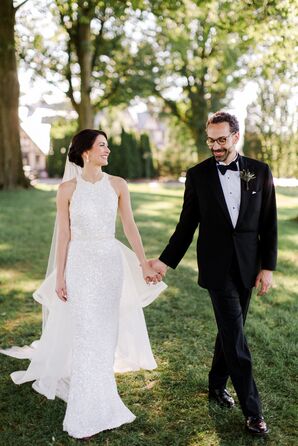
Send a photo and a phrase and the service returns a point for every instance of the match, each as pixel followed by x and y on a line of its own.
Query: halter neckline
pixel 98 181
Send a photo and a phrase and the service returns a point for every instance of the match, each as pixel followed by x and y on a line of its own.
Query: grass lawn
pixel 171 402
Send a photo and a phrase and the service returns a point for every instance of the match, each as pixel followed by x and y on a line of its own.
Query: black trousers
pixel 231 353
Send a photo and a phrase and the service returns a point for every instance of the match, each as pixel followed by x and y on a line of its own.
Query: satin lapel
pixel 244 193
pixel 217 189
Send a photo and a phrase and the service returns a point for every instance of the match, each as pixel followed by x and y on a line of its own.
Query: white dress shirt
pixel 231 187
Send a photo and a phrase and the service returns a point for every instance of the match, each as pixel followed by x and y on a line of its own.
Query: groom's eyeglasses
pixel 221 140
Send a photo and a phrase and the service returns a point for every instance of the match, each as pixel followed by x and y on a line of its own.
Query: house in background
pixel 33 153
pixel 37 118
pixel 135 121
pixel 156 129
pixel 36 115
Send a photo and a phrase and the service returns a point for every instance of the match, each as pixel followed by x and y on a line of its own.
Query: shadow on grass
pixel 170 402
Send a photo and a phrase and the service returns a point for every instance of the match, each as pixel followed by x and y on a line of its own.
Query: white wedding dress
pixel 101 328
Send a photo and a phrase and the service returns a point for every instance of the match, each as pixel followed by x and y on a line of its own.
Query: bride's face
pixel 99 152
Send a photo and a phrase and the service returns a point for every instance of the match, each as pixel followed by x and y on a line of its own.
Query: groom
pixel 232 199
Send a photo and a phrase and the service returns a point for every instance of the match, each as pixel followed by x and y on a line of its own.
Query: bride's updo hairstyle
pixel 81 142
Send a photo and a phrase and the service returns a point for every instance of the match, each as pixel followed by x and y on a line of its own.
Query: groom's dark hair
pixel 81 142
pixel 222 116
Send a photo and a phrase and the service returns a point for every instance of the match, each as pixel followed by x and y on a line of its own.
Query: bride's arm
pixel 63 237
pixel 131 230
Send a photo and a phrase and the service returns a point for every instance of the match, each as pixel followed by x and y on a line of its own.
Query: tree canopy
pixel 191 55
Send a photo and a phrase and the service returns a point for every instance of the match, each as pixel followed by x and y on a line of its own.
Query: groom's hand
pixel 264 281
pixel 158 266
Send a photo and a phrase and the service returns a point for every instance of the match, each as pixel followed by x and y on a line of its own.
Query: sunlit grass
pixel 170 402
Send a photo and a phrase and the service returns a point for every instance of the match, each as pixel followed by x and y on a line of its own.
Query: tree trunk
pixel 199 118
pixel 11 168
pixel 199 135
pixel 84 51
pixel 86 113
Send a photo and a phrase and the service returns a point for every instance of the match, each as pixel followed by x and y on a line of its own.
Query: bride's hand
pixel 149 274
pixel 61 289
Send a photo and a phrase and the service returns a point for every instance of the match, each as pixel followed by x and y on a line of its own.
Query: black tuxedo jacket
pixel 254 239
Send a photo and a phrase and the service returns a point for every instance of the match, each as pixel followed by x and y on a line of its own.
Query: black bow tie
pixel 223 168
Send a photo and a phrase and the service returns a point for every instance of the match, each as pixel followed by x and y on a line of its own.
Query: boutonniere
pixel 246 176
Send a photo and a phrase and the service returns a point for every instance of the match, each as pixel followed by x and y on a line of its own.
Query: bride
pixel 92 298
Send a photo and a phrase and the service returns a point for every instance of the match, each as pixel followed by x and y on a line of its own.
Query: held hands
pixel 159 267
pixel 264 281
pixel 149 274
pixel 61 289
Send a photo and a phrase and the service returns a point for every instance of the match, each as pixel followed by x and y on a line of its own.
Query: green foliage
pixel 204 50
pixel 276 40
pixel 115 166
pixel 132 158
pixel 196 50
pixel 61 133
pixel 91 53
pixel 148 170
pixel 109 52
pixel 272 124
pixel 180 152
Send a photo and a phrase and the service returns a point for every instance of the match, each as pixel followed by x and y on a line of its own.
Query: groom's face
pixel 222 141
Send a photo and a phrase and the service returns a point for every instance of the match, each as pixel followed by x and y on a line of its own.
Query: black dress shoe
pixel 222 397
pixel 256 425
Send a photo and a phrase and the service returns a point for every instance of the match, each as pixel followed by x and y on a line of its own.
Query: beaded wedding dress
pixel 101 328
